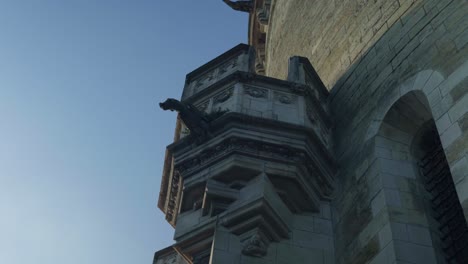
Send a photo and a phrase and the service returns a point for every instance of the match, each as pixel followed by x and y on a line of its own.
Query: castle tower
pixel 249 176
pixel 272 153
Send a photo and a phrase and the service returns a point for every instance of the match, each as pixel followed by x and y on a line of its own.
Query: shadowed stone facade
pixel 367 163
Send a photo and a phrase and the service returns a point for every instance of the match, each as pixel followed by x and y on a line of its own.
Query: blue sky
pixel 81 137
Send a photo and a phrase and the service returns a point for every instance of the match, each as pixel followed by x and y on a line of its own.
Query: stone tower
pixel 366 164
pixel 250 174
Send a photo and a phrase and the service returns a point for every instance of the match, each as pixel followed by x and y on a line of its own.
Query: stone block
pixel 460 41
pixel 460 90
pixel 386 255
pixel 462 191
pixel 434 97
pixel 460 170
pixel 325 210
pixel 383 153
pixel 445 8
pixel 329 257
pixel 414 253
pixel 392 197
pixel 385 235
pixel 251 260
pixel 400 155
pixel 443 123
pixel 458 149
pixel 434 81
pixel 395 134
pixel 323 226
pixel 459 109
pixel 450 135
pixel 410 20
pixel 389 181
pixel 421 79
pixel 234 244
pixel 419 235
pixel 411 200
pixel 361 169
pixel 389 144
pixel 219 256
pixel 422 27
pixel 378 203
pixel 409 216
pixel 375 185
pixel 221 239
pixel 312 240
pixel 287 254
pixel 442 107
pixel 399 231
pixel 398 168
pixel 303 222
pixel 454 78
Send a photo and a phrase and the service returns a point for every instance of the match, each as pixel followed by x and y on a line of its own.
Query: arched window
pixel 424 209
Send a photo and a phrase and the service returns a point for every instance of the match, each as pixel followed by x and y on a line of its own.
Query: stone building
pixel 338 135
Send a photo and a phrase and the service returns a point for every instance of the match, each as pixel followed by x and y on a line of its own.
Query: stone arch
pixel 425 81
pixel 417 190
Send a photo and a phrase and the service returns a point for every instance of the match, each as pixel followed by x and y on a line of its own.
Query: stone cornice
pixel 231 120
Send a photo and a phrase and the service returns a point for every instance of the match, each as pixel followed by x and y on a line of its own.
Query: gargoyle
pixel 195 120
pixel 243 6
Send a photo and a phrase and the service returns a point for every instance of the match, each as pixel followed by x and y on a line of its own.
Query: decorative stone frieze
pixel 284 98
pixel 239 58
pixel 223 96
pixel 256 92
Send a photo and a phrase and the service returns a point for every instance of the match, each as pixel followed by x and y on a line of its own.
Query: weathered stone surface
pixel 392 67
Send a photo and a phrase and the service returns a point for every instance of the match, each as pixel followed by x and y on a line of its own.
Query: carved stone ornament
pixel 254 246
pixel 225 67
pixel 223 96
pixel 203 106
pixel 238 145
pixel 263 16
pixel 171 209
pixel 256 92
pixel 202 80
pixel 284 98
pixel 194 119
pixel 199 82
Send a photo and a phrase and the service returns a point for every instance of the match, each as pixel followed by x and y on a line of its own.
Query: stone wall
pixel 332 34
pixel 311 240
pixel 425 50
pixel 371 54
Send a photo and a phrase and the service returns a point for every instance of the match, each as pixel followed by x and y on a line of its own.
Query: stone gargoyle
pixel 196 121
pixel 243 6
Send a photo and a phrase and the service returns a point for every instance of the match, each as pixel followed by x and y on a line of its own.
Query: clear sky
pixel 82 139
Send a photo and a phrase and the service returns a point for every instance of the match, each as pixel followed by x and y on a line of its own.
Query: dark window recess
pixel 218 207
pixel 202 257
pixel 445 204
pixel 193 198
